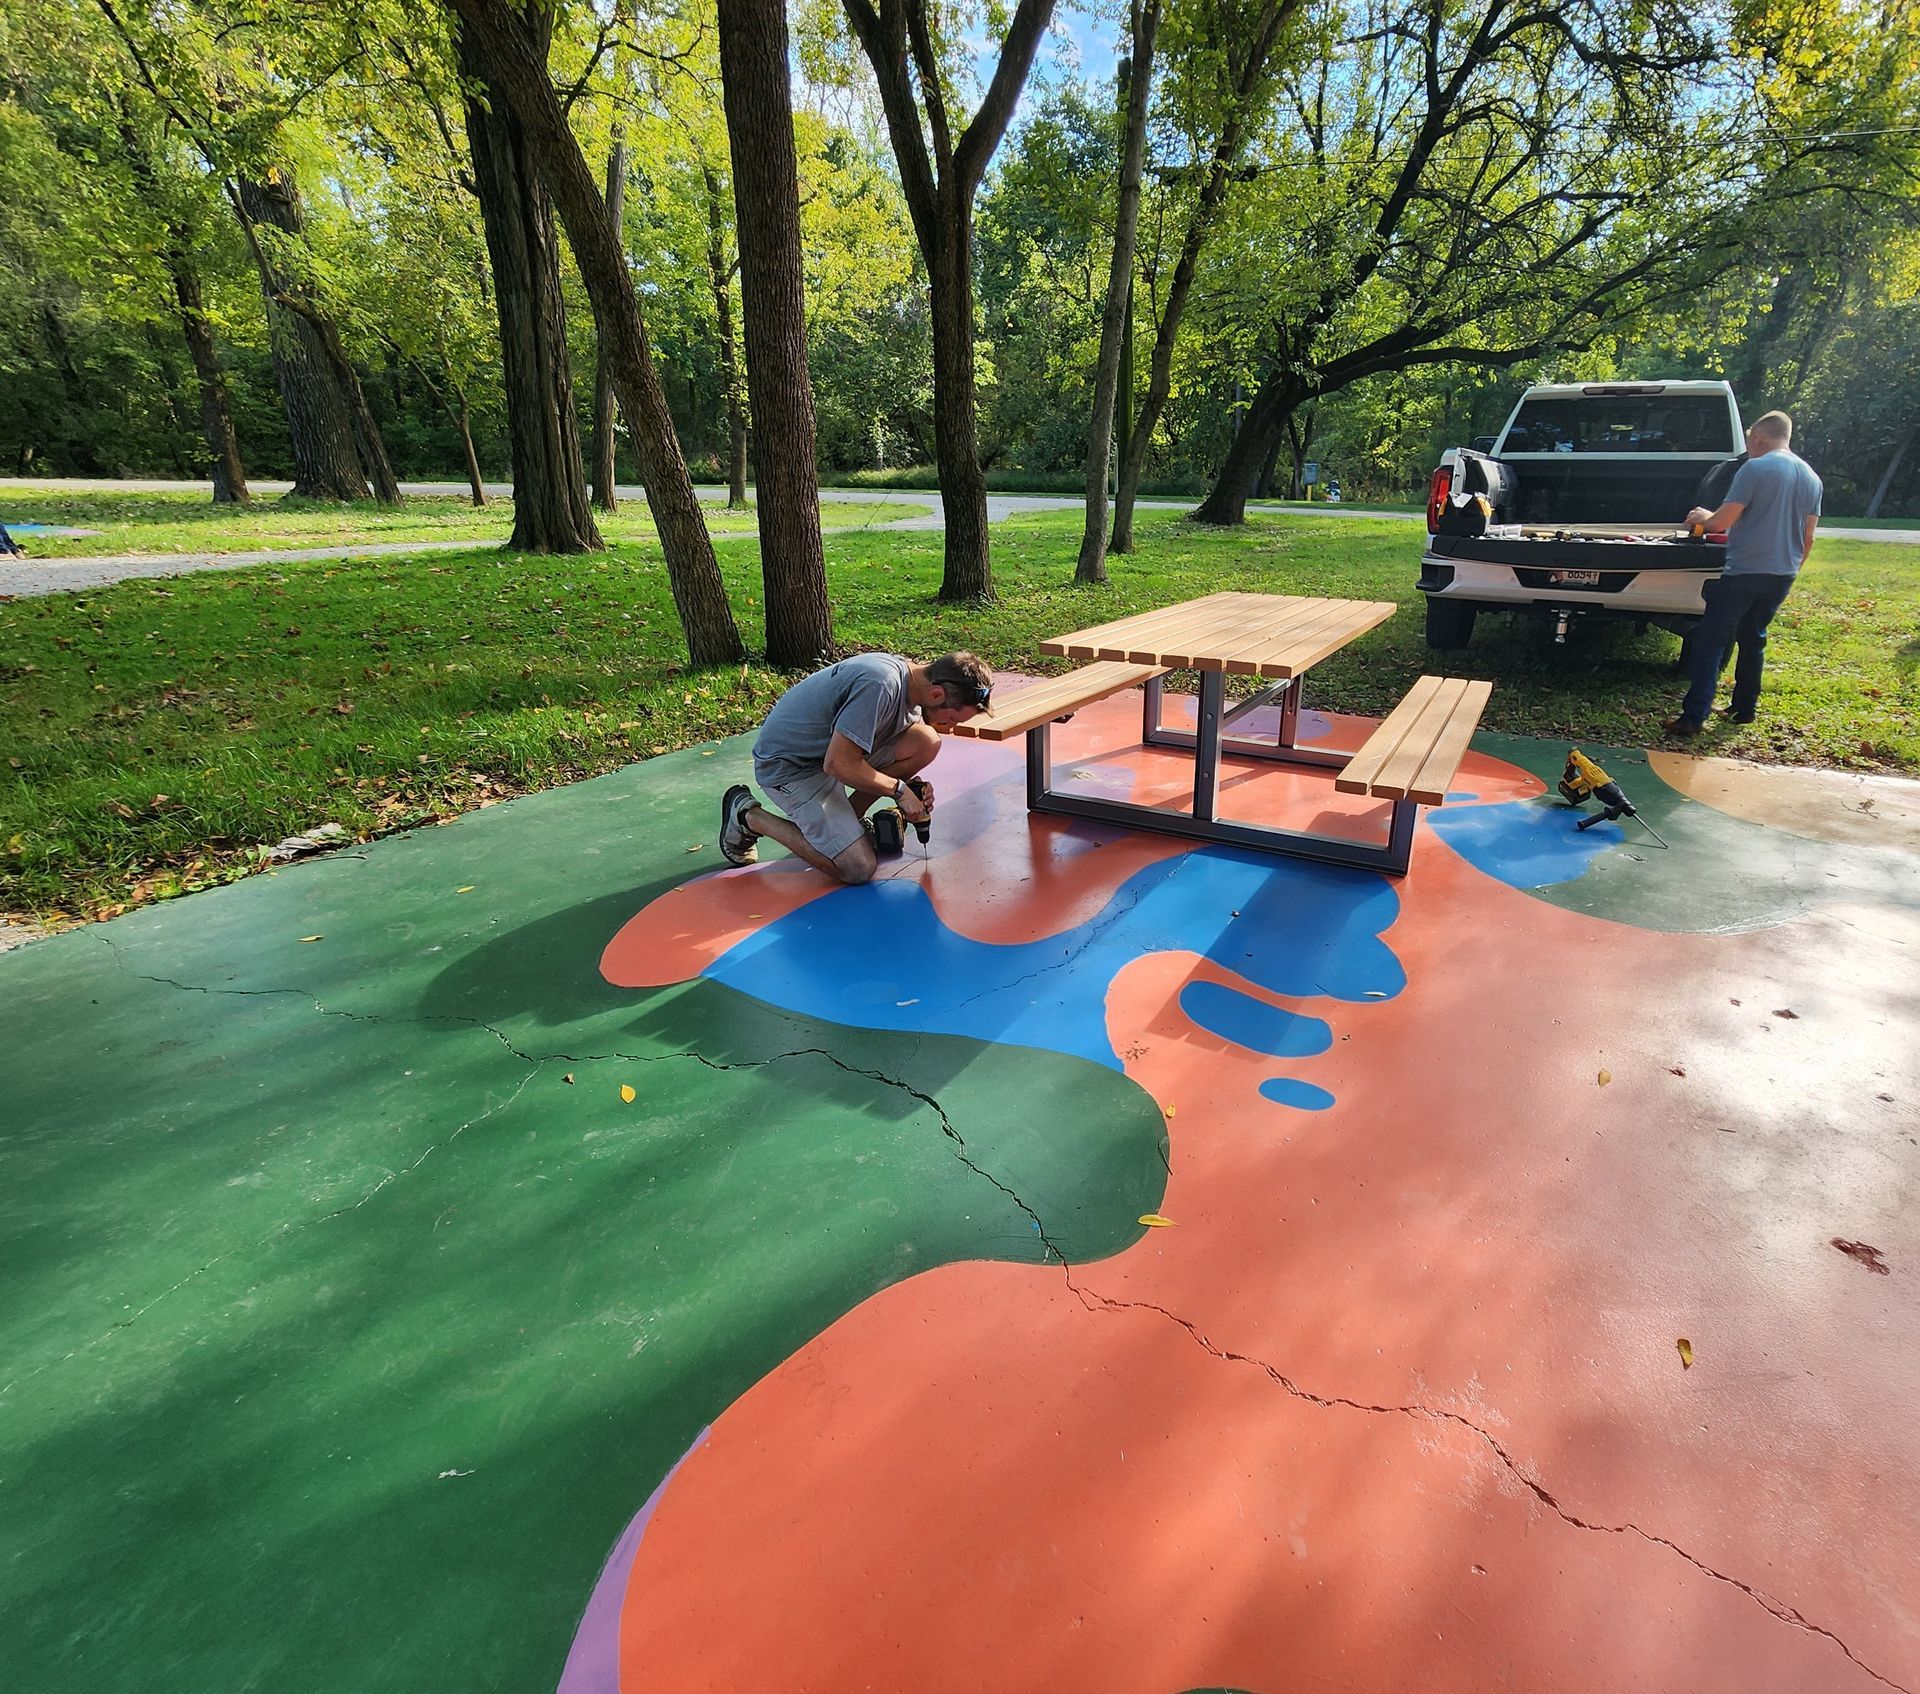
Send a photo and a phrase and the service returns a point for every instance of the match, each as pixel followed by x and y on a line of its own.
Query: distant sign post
pixel 1309 475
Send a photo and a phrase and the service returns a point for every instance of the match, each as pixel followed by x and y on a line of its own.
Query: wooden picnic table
pixel 1276 638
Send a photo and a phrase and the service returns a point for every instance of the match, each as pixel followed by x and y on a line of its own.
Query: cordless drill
pixel 1584 780
pixel 884 825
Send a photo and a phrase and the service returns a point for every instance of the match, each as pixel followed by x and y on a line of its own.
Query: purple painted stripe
pixel 593 1662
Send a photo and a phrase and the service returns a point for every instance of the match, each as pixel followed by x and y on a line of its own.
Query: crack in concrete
pixel 1777 1609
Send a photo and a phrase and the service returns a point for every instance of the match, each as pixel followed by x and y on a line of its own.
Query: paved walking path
pixel 23 579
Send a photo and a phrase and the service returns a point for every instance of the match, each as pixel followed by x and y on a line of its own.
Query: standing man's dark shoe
pixel 1682 729
pixel 1737 717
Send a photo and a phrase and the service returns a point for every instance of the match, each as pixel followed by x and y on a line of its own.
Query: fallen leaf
pixel 1168 1110
pixel 1605 1078
pixel 467 890
pixel 1686 1353
pixel 1676 1070
pixel 313 938
pixel 1376 994
pixel 626 1092
pixel 1787 1012
pixel 568 1077
pixel 696 847
pixel 1153 1220
pixel 1861 1253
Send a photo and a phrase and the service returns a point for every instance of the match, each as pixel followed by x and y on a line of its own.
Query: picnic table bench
pixel 1409 760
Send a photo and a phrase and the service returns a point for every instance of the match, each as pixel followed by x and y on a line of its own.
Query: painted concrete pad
pixel 527 1254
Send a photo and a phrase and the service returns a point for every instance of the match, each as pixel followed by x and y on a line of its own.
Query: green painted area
pixel 1718 872
pixel 345 1334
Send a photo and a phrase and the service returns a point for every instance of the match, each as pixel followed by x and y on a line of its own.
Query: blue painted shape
pixel 879 957
pixel 1455 796
pixel 1254 1024
pixel 1525 843
pixel 1291 1091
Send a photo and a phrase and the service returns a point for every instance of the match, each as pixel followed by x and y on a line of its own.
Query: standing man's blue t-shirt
pixel 1780 492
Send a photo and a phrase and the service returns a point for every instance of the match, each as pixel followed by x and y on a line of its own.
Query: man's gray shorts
pixel 818 806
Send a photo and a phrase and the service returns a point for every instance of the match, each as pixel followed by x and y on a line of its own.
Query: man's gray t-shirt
pixel 1779 491
pixel 863 698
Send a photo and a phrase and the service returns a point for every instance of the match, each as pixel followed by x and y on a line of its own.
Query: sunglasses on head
pixel 964 693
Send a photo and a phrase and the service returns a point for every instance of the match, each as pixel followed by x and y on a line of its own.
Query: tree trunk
pixel 551 510
pixel 1136 78
pixel 605 495
pixel 1265 422
pixel 1220 166
pixel 366 432
pixel 1892 470
pixel 474 479
pixel 326 464
pixel 766 188
pixel 490 30
pixel 956 437
pixel 720 283
pixel 216 410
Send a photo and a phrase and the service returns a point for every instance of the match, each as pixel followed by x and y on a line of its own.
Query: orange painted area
pixel 1395 1404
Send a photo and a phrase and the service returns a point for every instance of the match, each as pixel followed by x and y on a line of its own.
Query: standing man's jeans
pixel 1739 608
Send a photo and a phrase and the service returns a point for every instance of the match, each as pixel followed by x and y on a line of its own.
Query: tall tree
pixel 941 174
pixel 601 448
pixel 766 187
pixel 1136 80
pixel 319 409
pixel 494 34
pixel 1228 56
pixel 551 509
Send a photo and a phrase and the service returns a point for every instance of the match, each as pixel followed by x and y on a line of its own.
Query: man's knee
pixel 857 864
pixel 915 749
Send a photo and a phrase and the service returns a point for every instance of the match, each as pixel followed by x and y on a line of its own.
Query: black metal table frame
pixel 1209 741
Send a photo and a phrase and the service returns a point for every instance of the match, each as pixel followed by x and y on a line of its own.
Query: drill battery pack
pixel 883 828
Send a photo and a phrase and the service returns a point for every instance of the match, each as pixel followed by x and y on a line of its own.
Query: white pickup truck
pixel 1577 509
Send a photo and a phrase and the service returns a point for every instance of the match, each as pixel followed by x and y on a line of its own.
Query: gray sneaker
pixel 738 844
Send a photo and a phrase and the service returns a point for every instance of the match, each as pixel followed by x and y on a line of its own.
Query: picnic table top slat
pixel 1273 635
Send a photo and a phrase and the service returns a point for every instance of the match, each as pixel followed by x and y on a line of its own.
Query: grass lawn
pixel 188 522
pixel 159 734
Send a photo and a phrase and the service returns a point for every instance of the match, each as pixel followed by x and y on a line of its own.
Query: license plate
pixel 1575 579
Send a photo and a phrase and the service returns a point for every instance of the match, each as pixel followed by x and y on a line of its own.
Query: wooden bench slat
pixel 1053 697
pixel 1418 742
pixel 1418 747
pixel 1435 776
pixel 1357 777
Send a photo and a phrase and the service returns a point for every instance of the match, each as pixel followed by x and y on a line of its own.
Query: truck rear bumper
pixel 1672 590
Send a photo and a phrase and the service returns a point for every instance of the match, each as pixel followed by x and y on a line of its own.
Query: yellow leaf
pixel 1686 1353
pixel 626 1092
pixel 696 847
pixel 1605 1078
pixel 568 1077
pixel 1153 1220
pixel 467 890
pixel 313 938
pixel 1168 1110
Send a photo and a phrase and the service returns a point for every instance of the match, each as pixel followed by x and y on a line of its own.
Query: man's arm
pixel 846 762
pixel 1724 517
pixel 1806 539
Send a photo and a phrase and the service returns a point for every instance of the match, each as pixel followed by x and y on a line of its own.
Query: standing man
pixel 839 741
pixel 1769 515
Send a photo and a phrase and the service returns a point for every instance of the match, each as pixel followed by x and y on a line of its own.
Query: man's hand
pixel 1699 514
pixel 916 804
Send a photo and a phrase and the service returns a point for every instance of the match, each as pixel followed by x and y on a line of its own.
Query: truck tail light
pixel 1437 492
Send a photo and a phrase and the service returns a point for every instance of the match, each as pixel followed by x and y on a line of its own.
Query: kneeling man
pixel 839 741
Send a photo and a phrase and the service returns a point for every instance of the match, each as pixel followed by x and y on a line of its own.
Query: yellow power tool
pixel 1584 780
